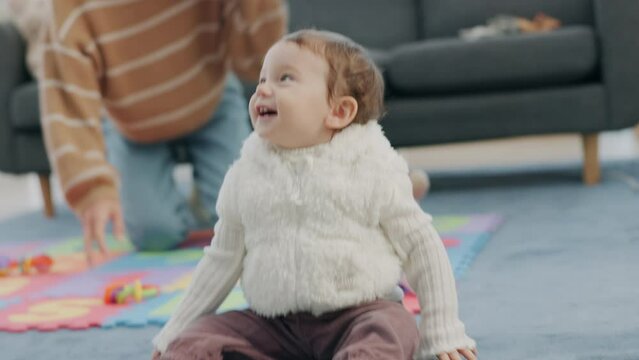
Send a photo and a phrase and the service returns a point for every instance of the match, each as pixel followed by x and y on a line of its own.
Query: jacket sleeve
pixel 251 27
pixel 217 272
pixel 427 268
pixel 71 105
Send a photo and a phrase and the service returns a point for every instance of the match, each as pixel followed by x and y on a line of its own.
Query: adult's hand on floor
pixel 468 355
pixel 94 221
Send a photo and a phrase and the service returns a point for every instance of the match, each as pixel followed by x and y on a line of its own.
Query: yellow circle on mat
pixel 54 310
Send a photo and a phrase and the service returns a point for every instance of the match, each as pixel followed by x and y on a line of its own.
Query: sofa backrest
pixel 377 24
pixel 444 18
pixel 13 72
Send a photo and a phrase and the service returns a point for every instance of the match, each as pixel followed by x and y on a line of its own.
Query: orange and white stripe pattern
pixel 156 66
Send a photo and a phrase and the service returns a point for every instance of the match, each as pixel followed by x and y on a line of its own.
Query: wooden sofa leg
pixel 591 169
pixel 45 186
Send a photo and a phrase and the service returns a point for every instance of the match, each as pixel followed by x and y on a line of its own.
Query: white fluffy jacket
pixel 323 228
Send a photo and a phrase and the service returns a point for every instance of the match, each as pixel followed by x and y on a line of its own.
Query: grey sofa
pixel 21 145
pixel 583 78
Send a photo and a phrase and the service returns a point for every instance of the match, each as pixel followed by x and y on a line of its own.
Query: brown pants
pixel 377 330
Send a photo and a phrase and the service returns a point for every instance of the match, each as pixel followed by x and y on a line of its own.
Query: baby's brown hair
pixel 351 72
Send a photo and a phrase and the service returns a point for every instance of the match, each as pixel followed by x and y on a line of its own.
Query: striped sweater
pixel 156 67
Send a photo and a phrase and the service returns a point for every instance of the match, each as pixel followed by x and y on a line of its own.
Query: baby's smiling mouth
pixel 266 111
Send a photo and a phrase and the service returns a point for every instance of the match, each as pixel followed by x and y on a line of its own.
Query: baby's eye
pixel 262 80
pixel 286 77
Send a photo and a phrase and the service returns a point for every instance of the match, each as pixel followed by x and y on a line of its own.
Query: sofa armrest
pixel 618 31
pixel 12 73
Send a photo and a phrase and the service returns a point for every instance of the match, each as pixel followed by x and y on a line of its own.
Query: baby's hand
pixel 156 355
pixel 468 355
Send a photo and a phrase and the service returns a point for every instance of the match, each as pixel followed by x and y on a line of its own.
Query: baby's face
pixel 290 105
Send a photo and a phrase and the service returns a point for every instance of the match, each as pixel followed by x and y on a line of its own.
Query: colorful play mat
pixel 71 296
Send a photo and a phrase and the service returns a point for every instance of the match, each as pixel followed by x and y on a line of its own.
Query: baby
pixel 318 220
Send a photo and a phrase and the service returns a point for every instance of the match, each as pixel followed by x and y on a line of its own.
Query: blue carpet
pixel 555 282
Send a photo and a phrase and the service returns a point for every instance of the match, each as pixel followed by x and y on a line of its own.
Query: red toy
pixel 29 265
pixel 125 293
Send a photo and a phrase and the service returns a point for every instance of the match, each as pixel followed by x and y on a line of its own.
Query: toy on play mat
pixel 120 293
pixel 29 265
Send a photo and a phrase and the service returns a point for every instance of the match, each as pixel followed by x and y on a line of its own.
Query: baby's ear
pixel 343 111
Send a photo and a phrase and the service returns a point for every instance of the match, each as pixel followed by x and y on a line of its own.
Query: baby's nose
pixel 263 89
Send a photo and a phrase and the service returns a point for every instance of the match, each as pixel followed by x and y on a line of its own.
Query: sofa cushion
pixel 426 121
pixel 381 58
pixel 372 23
pixel 444 18
pixel 441 66
pixel 24 107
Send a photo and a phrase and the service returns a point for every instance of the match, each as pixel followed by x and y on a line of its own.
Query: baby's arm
pixel 214 277
pixel 427 268
pixel 216 273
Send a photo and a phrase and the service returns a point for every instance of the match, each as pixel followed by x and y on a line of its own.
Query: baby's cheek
pixel 251 107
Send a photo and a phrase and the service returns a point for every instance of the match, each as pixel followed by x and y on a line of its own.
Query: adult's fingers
pixel 100 222
pixel 443 356
pixel 88 234
pixel 454 356
pixel 118 223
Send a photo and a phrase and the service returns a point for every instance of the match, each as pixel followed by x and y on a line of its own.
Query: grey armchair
pixel 21 147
